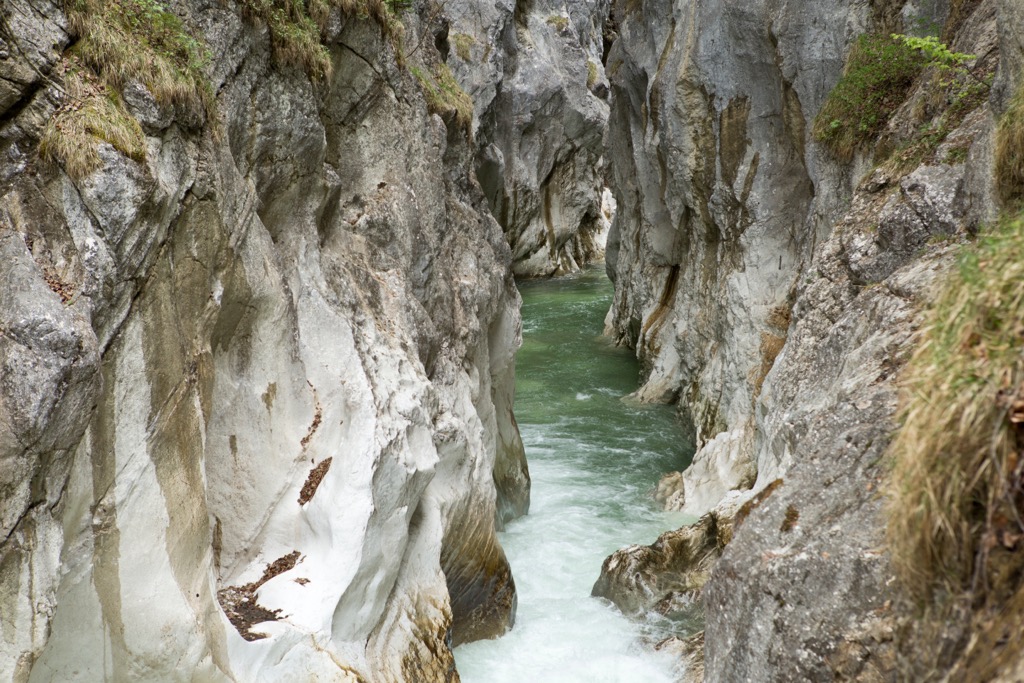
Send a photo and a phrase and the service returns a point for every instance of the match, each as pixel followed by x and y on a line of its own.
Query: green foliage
pixel 956 91
pixel 878 74
pixel 938 54
pixel 445 96
pixel 591 74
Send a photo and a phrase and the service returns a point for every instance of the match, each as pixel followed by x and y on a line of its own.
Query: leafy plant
pixel 957 91
pixel 879 71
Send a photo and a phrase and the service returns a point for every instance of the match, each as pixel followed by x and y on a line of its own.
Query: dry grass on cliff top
pixel 121 41
pixel 956 508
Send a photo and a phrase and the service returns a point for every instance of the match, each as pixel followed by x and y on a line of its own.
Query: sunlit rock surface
pixel 255 391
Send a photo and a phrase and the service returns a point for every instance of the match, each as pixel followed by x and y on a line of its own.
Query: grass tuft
pixel 956 495
pixel 120 41
pixel 1009 152
pixel 464 46
pixel 445 96
pixel 140 40
pixel 91 113
pixel 296 27
pixel 879 71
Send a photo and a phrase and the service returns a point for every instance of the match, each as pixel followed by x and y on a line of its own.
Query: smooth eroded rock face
pixel 256 389
pixel 535 72
pixel 715 184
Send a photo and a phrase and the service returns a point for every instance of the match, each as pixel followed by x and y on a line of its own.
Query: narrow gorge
pixel 266 267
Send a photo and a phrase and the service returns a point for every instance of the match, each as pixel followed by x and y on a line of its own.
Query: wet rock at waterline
pixel 257 376
pixel 667 575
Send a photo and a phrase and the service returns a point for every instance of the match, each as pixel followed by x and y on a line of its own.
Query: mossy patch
pixel 591 74
pixel 558 22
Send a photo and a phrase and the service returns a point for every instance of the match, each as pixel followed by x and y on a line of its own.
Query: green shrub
pixel 591 74
pixel 878 74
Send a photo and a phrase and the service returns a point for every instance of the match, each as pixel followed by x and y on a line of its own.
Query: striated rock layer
pixel 534 70
pixel 255 391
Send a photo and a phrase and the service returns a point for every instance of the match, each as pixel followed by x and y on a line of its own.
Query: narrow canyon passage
pixel 594 460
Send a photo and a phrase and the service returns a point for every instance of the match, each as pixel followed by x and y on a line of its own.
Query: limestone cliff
pixel 256 380
pixel 535 73
pixel 772 285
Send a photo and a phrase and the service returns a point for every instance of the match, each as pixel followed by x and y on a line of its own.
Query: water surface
pixel 594 461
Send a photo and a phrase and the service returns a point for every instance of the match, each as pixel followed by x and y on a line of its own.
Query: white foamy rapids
pixel 562 635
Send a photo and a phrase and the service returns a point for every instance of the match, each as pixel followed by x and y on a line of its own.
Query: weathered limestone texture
pixel 774 291
pixel 534 70
pixel 721 198
pixel 255 390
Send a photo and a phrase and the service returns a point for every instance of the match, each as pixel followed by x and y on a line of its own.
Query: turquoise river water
pixel 594 460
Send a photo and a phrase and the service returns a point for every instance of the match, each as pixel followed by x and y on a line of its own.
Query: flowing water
pixel 594 460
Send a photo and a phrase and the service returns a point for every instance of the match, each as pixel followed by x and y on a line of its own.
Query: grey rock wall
pixel 534 70
pixel 255 390
pixel 773 291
